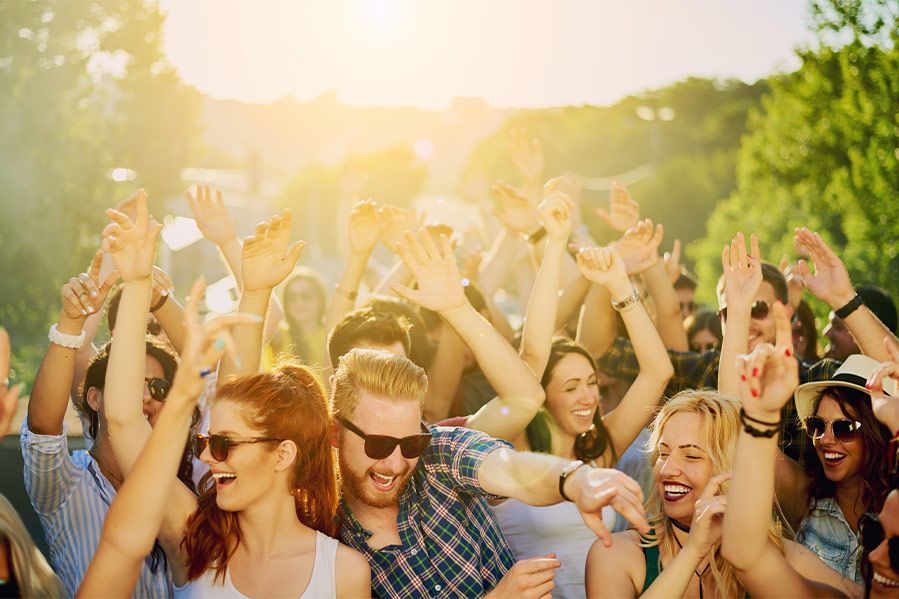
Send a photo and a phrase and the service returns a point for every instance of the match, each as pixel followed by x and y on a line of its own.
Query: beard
pixel 359 486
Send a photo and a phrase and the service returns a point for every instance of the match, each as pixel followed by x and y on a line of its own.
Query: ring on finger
pixel 205 372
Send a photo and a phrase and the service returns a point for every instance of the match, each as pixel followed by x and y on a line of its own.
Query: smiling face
pixel 683 467
pixel 377 483
pixel 840 343
pixel 572 394
pixel 304 303
pixel 250 471
pixel 151 406
pixel 842 460
pixel 885 582
pixel 761 330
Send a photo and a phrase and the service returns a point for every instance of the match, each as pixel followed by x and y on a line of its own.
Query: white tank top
pixel 532 531
pixel 323 582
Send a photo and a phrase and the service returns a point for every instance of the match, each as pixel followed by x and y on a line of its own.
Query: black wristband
pixel 744 415
pixel 850 307
pixel 536 235
pixel 566 472
pixel 160 303
pixel 745 420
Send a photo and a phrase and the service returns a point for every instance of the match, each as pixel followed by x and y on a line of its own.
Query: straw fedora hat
pixel 853 374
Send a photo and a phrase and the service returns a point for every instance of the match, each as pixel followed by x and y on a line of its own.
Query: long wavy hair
pixel 875 469
pixel 287 403
pixel 719 431
pixel 33 575
pixel 589 445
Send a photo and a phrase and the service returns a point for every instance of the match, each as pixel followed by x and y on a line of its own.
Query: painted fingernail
pixel 219 344
pixel 867 385
pixel 742 377
pixel 755 393
pixel 164 292
pixel 237 362
pixel 84 312
pixel 94 293
pixel 90 309
pixel 755 372
pixel 788 352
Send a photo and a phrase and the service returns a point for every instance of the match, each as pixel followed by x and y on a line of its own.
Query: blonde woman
pixel 24 572
pixel 692 446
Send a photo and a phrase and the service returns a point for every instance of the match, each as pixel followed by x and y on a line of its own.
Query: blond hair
pixel 33 574
pixel 380 373
pixel 719 430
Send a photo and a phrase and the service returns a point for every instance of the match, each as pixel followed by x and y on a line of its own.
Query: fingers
pixel 595 523
pixel 783 330
pixel 754 251
pixel 892 348
pixel 293 256
pixel 5 353
pixel 111 279
pixel 604 215
pixel 119 218
pixel 540 565
pixel 93 270
pixel 192 307
pixel 71 296
pixel 675 251
pixel 406 293
pixel 142 221
pixel 628 506
pixel 714 485
pixel 416 248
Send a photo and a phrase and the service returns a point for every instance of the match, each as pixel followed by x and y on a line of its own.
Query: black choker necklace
pixel 680 526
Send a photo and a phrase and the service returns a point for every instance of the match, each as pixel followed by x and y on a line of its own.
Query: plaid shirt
pixel 693 370
pixel 450 542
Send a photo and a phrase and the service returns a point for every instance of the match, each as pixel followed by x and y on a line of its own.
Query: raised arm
pixel 768 377
pixel 9 396
pixel 363 230
pixel 440 289
pixel 886 407
pixel 266 260
pixel 132 245
pixel 831 284
pixel 742 281
pixel 535 479
pixel 539 324
pixel 147 499
pixel 166 308
pixel 604 266
pixel 49 399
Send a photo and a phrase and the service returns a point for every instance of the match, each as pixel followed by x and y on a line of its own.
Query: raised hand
pixel 527 154
pixel 395 222
pixel 794 281
pixel 9 396
pixel 162 286
pixel 85 294
pixel 639 246
pixel 708 519
pixel 830 282
pixel 364 227
pixel 623 212
pixel 556 210
pixel 742 271
pixel 883 387
pixel 132 244
pixel 267 256
pixel 514 209
pixel 770 374
pixel 594 488
pixel 604 266
pixel 213 218
pixel 672 262
pixel 439 281
pixel 205 344
pixel 529 578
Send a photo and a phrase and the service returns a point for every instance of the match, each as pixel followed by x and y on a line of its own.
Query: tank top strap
pixel 651 554
pixel 324 570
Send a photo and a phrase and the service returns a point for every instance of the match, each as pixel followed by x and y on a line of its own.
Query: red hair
pixel 287 403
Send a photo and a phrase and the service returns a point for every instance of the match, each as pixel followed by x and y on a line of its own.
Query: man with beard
pixel 414 497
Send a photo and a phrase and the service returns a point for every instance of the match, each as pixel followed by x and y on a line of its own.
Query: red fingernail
pixel 755 372
pixel 743 377
pixel 788 352
pixel 755 393
pixel 867 385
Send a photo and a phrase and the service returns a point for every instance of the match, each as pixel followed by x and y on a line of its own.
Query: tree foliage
pixel 84 88
pixel 823 150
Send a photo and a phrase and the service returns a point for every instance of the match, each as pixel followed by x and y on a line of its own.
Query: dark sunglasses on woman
pixel 159 388
pixel 220 445
pixel 758 311
pixel 378 447
pixel 873 535
pixel 843 429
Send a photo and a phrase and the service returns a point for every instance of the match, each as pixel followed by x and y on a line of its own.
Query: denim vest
pixel 828 535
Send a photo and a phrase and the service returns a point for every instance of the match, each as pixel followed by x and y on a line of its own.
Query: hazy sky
pixel 513 53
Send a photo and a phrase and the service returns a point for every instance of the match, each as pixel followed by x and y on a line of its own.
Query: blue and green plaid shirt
pixel 450 542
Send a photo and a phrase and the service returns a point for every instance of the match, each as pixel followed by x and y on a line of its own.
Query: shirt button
pixel 438 588
pixel 414 551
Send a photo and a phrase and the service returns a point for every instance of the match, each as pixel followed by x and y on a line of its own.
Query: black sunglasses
pixel 378 447
pixel 159 388
pixel 873 535
pixel 219 445
pixel 758 311
pixel 843 428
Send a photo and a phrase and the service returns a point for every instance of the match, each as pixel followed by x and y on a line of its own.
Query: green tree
pixel 78 85
pixel 823 150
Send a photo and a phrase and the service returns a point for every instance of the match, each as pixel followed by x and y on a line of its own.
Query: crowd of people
pixel 398 437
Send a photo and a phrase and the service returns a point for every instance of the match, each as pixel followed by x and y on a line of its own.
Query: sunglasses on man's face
pixel 378 447
pixel 758 311
pixel 159 388
pixel 220 445
pixel 873 535
pixel 843 429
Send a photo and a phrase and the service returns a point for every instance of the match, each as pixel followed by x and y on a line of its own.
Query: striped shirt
pixel 71 497
pixel 450 543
